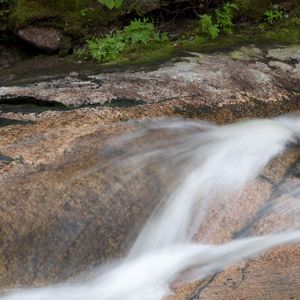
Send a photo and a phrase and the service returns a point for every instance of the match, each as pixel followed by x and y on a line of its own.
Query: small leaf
pixel 108 3
pixel 118 3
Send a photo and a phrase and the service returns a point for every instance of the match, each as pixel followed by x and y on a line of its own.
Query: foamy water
pixel 209 163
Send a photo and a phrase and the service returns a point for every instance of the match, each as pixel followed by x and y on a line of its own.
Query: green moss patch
pixel 75 17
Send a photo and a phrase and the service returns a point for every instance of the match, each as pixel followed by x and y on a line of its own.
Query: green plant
pixel 225 16
pixel 224 22
pixel 84 12
pixel 111 3
pixel 4 11
pixel 208 27
pixel 262 27
pixel 107 48
pixel 138 33
pixel 272 16
pixel 164 37
pixel 81 54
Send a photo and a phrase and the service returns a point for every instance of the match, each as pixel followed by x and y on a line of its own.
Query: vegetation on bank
pixel 112 3
pixel 138 34
pixel 106 36
pixel 4 12
pixel 223 21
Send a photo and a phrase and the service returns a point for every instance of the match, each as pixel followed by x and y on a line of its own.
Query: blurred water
pixel 206 165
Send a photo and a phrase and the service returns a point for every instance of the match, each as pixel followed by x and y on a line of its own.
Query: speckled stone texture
pixel 47 38
pixel 269 205
pixel 75 211
pixel 61 212
pixel 218 79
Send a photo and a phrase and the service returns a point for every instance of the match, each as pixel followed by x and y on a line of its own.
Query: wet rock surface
pixel 265 207
pixel 214 80
pixel 61 211
pixel 69 209
pixel 285 53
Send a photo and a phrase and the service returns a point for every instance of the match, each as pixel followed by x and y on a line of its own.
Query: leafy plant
pixel 138 32
pixel 208 27
pixel 81 54
pixel 225 16
pixel 272 16
pixel 108 48
pixel 111 3
pixel 164 37
pixel 84 12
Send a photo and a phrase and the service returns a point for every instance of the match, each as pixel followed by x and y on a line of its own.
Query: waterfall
pixel 207 165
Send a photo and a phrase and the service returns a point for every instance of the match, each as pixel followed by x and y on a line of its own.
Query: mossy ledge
pixel 84 19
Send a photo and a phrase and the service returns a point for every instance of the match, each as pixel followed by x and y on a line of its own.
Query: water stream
pixel 212 166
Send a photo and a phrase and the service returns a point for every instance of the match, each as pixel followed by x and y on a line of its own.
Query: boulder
pixel 47 38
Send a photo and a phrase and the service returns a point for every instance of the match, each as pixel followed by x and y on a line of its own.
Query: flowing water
pixel 207 166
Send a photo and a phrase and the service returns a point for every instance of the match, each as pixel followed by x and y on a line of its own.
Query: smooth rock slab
pixel 61 218
pixel 280 65
pixel 213 80
pixel 67 210
pixel 270 205
pixel 285 54
pixel 61 212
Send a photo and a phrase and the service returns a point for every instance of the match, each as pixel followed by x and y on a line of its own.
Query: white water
pixel 210 163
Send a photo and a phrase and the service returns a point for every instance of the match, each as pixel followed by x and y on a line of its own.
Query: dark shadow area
pixel 7 122
pixel 29 105
pixel 5 158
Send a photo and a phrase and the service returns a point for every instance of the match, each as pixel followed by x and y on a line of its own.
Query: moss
pixel 82 17
pixel 158 52
pixel 75 17
pixel 204 43
pixel 288 35
pixel 283 32
pixel 4 12
pixel 155 52
pixel 246 53
pixel 193 43
pixel 84 20
pixel 25 12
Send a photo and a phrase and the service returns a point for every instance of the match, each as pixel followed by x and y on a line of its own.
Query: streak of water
pixel 210 163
